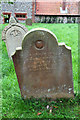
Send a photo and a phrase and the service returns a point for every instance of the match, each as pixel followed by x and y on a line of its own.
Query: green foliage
pixel 10 2
pixel 15 107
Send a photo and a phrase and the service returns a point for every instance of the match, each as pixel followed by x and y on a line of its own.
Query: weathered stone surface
pixel 43 67
pixel 29 21
pixel 13 20
pixel 13 35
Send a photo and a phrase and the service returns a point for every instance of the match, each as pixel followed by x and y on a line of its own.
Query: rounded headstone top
pixel 40 35
pixel 41 29
pixel 11 24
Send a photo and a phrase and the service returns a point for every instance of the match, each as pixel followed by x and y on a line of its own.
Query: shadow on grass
pixel 17 107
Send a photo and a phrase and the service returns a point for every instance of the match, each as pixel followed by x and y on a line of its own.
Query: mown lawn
pixel 12 104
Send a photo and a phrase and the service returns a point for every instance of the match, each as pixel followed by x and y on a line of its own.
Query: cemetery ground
pixel 13 106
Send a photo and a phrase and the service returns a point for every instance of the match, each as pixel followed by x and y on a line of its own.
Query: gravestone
pixel 13 35
pixel 29 21
pixel 43 67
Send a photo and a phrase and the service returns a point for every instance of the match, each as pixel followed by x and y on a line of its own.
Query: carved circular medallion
pixel 39 44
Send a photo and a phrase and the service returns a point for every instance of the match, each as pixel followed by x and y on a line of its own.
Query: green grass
pixel 15 107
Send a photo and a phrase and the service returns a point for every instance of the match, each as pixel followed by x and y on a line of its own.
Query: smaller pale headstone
pixel 29 21
pixel 13 35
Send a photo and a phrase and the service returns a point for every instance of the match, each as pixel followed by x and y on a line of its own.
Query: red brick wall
pixel 53 8
pixel 47 8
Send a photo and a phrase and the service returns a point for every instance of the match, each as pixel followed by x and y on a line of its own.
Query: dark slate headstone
pixel 43 67
pixel 29 21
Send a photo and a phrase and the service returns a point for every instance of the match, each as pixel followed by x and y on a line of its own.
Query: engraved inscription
pixel 40 62
pixel 15 33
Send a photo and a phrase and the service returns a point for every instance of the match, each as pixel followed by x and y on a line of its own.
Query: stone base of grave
pixel 49 95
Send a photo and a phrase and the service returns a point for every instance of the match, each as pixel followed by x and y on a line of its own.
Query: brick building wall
pixel 31 8
pixel 23 8
pixel 52 7
pixel 46 9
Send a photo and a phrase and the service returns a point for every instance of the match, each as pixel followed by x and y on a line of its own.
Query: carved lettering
pixel 40 62
pixel 15 33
